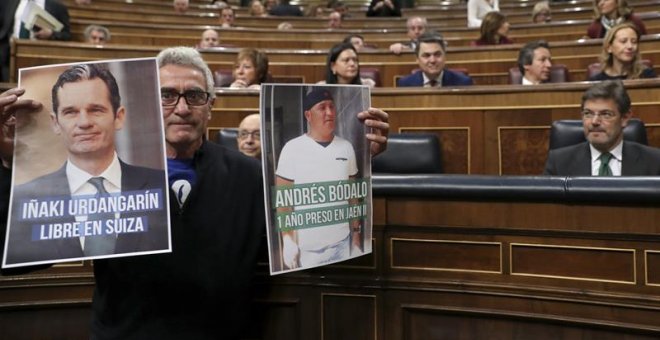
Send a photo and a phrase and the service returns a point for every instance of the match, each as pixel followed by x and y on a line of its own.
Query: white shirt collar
pixel 78 178
pixel 427 79
pixel 615 162
pixel 525 81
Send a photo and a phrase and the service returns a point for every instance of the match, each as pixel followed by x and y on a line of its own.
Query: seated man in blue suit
pixel 605 112
pixel 431 53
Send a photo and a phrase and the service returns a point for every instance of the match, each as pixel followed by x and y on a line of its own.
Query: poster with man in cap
pixel 317 168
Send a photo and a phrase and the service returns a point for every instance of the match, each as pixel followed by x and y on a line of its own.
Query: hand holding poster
pixel 89 178
pixel 317 172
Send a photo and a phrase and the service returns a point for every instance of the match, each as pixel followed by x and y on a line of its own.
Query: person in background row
pixel 477 10
pixel 284 8
pixel 605 112
pixel 342 8
pixel 257 9
pixel 210 38
pixel 10 26
pixel 249 136
pixel 609 13
pixel 220 4
pixel 180 6
pixel 431 54
pixel 56 9
pixel 534 62
pixel 343 67
pixel 96 34
pixel 384 8
pixel 314 11
pixel 285 25
pixel 416 27
pixel 250 69
pixel 227 17
pixel 334 20
pixel 356 40
pixel 541 13
pixel 494 30
pixel 621 58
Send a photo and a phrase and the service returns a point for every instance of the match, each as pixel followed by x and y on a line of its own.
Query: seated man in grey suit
pixel 431 54
pixel 605 112
pixel 87 112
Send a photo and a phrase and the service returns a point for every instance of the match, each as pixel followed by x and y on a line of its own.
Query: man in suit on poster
pixel 605 112
pixel 86 113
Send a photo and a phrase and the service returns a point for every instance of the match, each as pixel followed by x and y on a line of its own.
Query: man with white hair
pixel 180 6
pixel 416 27
pixel 202 289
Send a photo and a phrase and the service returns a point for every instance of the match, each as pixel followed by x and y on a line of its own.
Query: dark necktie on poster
pixel 99 244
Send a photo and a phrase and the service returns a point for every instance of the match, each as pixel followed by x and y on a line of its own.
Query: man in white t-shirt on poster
pixel 318 156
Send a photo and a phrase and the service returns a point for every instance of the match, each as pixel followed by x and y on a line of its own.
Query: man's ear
pixel 54 124
pixel 625 118
pixel 120 116
pixel 307 114
pixel 211 102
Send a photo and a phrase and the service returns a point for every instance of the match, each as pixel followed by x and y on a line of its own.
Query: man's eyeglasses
pixel 604 115
pixel 192 98
pixel 245 134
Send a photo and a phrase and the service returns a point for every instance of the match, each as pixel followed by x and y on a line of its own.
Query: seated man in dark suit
pixel 431 59
pixel 87 112
pixel 605 112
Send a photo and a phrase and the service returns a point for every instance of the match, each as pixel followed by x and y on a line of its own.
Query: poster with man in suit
pixel 89 178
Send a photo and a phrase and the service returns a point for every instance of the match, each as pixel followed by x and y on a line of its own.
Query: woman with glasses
pixel 250 69
pixel 343 67
pixel 620 58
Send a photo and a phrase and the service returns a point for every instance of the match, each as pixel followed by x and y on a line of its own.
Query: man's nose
pixel 182 107
pixel 83 119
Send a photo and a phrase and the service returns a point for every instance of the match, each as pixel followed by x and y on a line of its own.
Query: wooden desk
pixel 460 266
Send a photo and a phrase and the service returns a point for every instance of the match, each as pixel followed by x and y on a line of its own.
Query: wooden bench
pixel 164 34
pixel 497 130
pixel 487 65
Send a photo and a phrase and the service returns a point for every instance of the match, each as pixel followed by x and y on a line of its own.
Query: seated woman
pixel 343 67
pixel 250 69
pixel 356 40
pixel 609 13
pixel 494 29
pixel 257 9
pixel 477 10
pixel 541 13
pixel 620 58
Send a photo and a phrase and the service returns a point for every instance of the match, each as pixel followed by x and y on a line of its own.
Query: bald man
pixel 249 137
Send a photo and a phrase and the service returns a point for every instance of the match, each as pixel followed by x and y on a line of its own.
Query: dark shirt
pixel 597 30
pixel 284 10
pixel 646 74
pixel 384 11
pixel 484 42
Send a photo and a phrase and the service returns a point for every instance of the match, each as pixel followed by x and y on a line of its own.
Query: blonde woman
pixel 609 13
pixel 621 58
